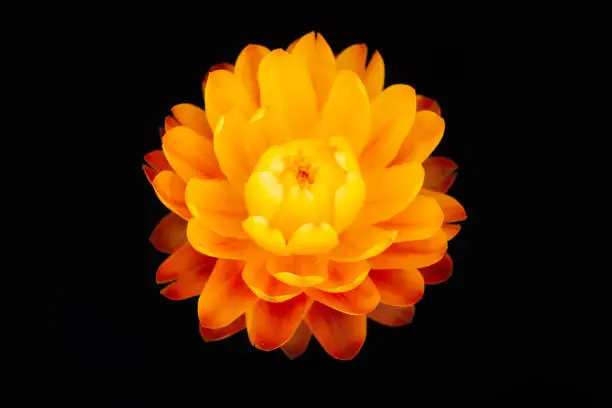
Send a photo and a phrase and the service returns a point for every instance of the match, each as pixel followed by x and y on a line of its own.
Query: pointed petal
pixel 425 103
pixel 300 271
pixel 392 316
pixel 412 254
pixel 229 148
pixel 423 138
pixel 292 45
pixel 223 93
pixel 313 239
pixel 157 160
pixel 234 327
pixel 285 84
pixel 247 68
pixel 439 272
pixel 194 118
pixel 270 325
pixel 353 58
pixel 439 174
pixel 451 230
pixel 170 190
pixel 398 287
pixel 225 296
pixel 169 234
pixel 205 241
pixel 224 66
pixel 393 113
pixel 184 261
pixel 344 276
pixel 358 244
pixel 362 299
pixel 297 344
pixel 420 220
pixel 191 283
pixel 170 123
pixel 216 204
pixel 374 79
pixel 341 335
pixel 190 154
pixel 452 209
pixel 266 286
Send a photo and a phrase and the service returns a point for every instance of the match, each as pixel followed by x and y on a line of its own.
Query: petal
pixel 358 244
pixel 270 239
pixel 292 45
pixel 313 239
pixel 191 283
pixel 420 220
pixel 393 113
pixel 266 286
pixel 348 200
pixel 362 299
pixel 300 271
pixel 194 118
pixel 225 296
pixel 389 191
pixel 229 148
pixel 157 160
pixel 341 335
pixel 392 315
pixel 425 103
pixel 353 58
pixel 412 254
pixel 224 332
pixel 451 230
pixel 264 194
pixel 285 84
pixel 205 241
pixel 423 138
pixel 297 344
pixel 346 112
pixel 374 79
pixel 319 59
pixel 170 190
pixel 439 272
pixel 344 276
pixel 217 205
pixel 170 123
pixel 452 209
pixel 398 287
pixel 270 325
pixel 247 67
pixel 223 93
pixel 184 261
pixel 169 234
pixel 439 174
pixel 222 66
pixel 190 154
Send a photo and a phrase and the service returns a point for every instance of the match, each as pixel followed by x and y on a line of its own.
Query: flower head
pixel 303 199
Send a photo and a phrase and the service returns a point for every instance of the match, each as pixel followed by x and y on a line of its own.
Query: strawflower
pixel 303 199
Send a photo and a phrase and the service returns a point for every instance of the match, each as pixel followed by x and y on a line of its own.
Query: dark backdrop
pixel 86 101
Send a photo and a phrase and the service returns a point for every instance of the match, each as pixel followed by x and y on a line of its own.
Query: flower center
pixel 300 168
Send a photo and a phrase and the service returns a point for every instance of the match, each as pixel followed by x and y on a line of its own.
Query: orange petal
pixel 452 209
pixel 223 93
pixel 224 66
pixel 344 276
pixel 439 174
pixel 358 244
pixel 346 112
pixel 353 58
pixel 190 154
pixel 374 79
pixel 392 315
pixel 425 103
pixel 224 332
pixel 157 160
pixel 194 118
pixel 389 191
pixel 150 173
pixel 393 113
pixel 170 123
pixel 270 325
pixel 205 241
pixel 170 190
pixel 319 59
pixel 301 271
pixel 285 84
pixel 191 283
pixel 292 45
pixel 169 234
pixel 313 239
pixel 229 148
pixel 247 67
pixel 341 335
pixel 362 299
pixel 266 286
pixel 184 261
pixel 439 272
pixel 225 296
pixel 297 344
pixel 423 138
pixel 451 230
pixel 412 254
pixel 162 132
pixel 216 204
pixel 398 287
pixel 420 220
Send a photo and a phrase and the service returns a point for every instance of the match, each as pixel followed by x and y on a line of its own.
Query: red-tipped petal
pixel 392 316
pixel 298 343
pixel 184 261
pixel 439 272
pixel 169 234
pixel 399 287
pixel 439 174
pixel 157 160
pixel 363 299
pixel 234 327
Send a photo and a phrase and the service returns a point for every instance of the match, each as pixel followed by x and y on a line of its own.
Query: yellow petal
pixel 207 242
pixel 301 271
pixel 194 118
pixel 312 239
pixel 348 201
pixel 412 254
pixel 264 194
pixel 452 209
pixel 344 276
pixel 268 238
pixel 266 286
pixel 353 58
pixel 285 83
pixel 190 154
pixel 297 209
pixel 229 149
pixel 374 79
pixel 423 138
pixel 421 219
pixel 247 67
pixel 358 244
pixel 223 93
pixel 393 113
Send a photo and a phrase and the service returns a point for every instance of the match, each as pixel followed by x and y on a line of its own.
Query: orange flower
pixel 303 199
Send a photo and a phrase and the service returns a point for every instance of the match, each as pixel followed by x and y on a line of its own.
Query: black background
pixel 86 101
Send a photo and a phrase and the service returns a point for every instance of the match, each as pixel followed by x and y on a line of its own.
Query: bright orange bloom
pixel 303 199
